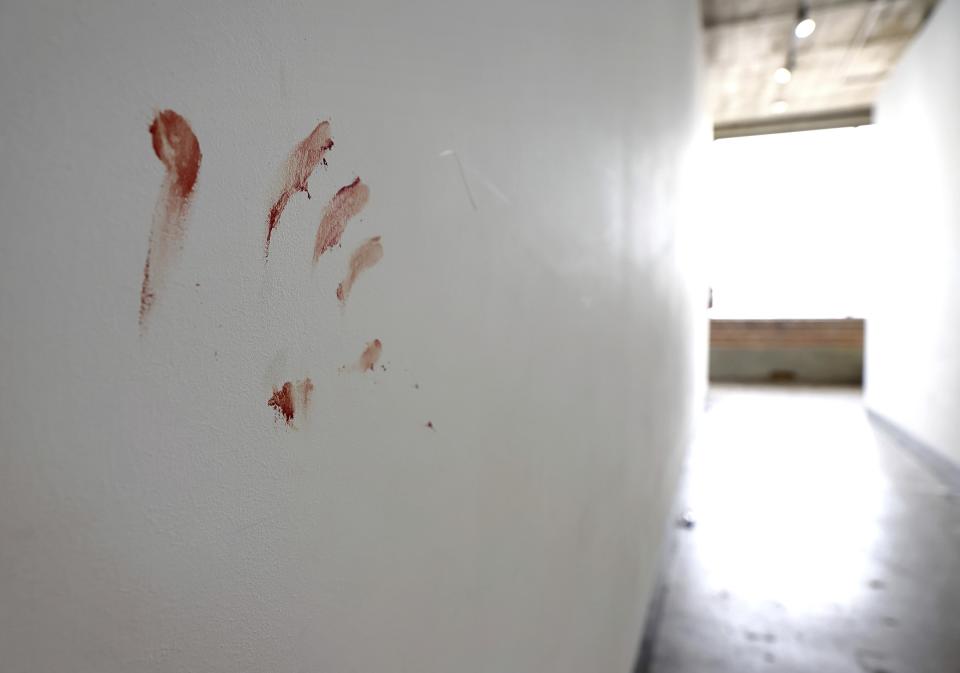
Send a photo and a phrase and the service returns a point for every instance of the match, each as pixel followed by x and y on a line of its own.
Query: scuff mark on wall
pixel 463 175
pixel 365 256
pixel 345 204
pixel 178 149
pixel 304 158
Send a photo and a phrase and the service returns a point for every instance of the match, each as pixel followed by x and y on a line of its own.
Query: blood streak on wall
pixel 345 204
pixel 369 357
pixel 305 157
pixel 178 149
pixel 290 397
pixel 365 256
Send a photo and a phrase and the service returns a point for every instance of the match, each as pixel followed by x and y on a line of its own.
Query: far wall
pixel 794 351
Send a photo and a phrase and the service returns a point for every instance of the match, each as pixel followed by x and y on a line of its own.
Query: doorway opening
pixel 789 227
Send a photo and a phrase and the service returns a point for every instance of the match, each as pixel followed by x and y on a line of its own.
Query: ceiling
pixel 837 71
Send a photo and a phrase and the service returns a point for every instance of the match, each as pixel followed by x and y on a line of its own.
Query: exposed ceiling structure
pixel 835 72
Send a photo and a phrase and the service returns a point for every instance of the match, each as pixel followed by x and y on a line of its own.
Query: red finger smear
pixel 305 157
pixel 305 389
pixel 346 203
pixel 370 356
pixel 177 147
pixel 284 399
pixel 283 402
pixel 369 253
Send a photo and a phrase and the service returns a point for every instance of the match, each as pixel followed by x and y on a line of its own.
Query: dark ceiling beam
pixel 752 17
pixel 789 123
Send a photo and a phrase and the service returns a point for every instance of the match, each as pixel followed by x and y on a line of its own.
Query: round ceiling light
pixel 805 28
pixel 782 75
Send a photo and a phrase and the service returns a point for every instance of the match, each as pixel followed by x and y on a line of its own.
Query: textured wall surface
pixel 490 495
pixel 913 330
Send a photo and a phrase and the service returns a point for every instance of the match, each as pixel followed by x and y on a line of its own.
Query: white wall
pixel 154 516
pixel 913 330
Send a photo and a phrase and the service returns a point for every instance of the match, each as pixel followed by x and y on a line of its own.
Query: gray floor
pixel 819 545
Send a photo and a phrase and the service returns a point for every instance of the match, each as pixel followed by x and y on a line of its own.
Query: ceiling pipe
pixel 784 74
pixel 805 25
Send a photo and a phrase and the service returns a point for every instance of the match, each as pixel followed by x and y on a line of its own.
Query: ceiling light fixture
pixel 805 25
pixel 783 75
pixel 805 28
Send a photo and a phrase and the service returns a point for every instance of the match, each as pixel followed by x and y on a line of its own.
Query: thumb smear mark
pixel 289 397
pixel 365 256
pixel 368 359
pixel 178 149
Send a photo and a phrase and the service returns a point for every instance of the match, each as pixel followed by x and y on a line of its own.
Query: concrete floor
pixel 819 545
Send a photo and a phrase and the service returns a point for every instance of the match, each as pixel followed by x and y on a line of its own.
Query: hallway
pixel 375 337
pixel 817 544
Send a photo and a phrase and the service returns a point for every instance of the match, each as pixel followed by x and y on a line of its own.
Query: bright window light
pixel 791 221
